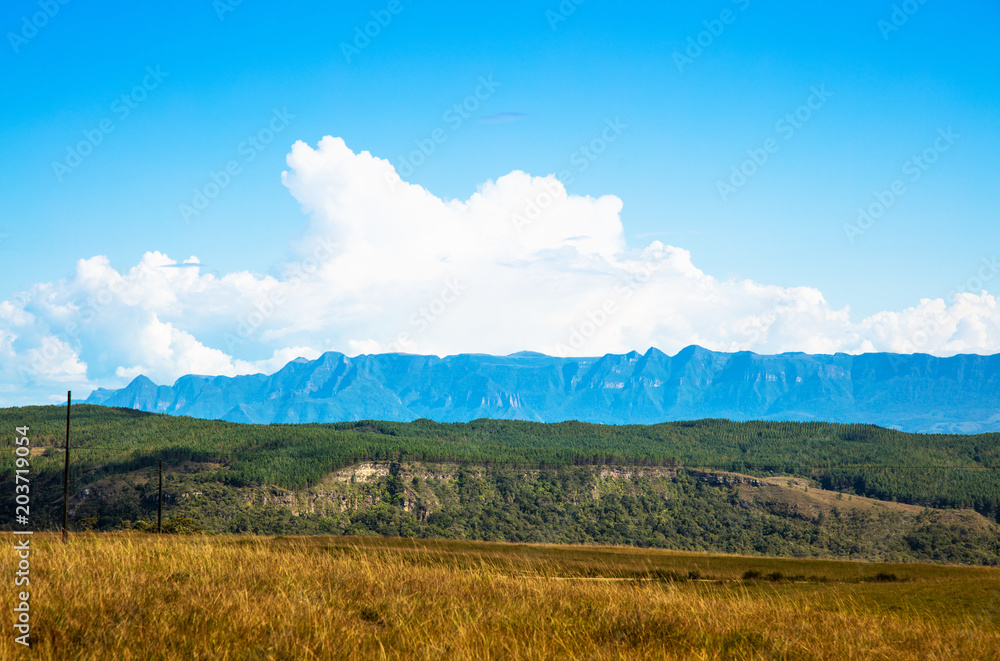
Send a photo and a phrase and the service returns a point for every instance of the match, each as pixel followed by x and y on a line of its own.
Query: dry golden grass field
pixel 136 596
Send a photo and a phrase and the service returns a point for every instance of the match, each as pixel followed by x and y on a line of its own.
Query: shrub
pixel 884 577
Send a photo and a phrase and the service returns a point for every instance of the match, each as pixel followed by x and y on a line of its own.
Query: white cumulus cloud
pixel 388 266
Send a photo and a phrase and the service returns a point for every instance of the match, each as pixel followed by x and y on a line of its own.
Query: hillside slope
pixel 638 506
pixel 799 489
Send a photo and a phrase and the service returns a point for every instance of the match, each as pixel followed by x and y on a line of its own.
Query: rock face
pixel 916 392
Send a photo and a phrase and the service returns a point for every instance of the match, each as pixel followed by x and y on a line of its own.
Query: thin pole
pixel 159 506
pixel 65 526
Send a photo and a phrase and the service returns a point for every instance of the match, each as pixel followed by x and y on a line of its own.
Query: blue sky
pixel 560 74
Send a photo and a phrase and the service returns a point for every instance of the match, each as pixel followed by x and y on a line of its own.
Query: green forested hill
pixel 113 451
pixel 937 470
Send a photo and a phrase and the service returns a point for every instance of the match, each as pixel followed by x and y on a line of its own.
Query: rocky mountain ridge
pixel 910 392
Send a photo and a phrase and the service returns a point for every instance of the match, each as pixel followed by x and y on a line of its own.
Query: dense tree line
pixel 939 470
pixel 569 504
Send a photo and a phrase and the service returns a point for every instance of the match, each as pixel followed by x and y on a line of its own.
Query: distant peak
pixel 913 392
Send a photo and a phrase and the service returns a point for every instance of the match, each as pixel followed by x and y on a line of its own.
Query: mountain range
pixel 909 392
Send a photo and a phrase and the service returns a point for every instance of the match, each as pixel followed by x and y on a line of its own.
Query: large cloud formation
pixel 388 266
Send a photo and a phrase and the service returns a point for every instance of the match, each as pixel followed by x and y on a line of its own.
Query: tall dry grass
pixel 131 596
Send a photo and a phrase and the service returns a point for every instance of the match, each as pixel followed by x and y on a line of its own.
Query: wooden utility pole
pixel 65 526
pixel 159 505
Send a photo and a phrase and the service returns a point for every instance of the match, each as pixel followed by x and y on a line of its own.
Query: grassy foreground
pixel 134 596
